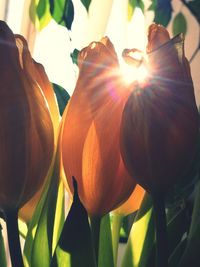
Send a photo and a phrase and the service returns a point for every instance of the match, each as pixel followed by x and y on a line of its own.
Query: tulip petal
pixel 90 140
pixel 27 133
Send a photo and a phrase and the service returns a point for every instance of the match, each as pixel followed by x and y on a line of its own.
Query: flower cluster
pixel 113 135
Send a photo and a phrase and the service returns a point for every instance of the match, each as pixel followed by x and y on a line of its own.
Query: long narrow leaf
pixel 75 248
pixel 141 238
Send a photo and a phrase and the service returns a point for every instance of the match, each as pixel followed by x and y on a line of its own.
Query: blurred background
pixel 124 21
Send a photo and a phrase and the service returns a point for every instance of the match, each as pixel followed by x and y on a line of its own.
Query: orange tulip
pixel 26 136
pixel 38 74
pixel 90 137
pixel 159 128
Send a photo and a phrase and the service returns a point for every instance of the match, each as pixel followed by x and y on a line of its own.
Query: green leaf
pixel 132 4
pixel 140 4
pixel 74 56
pixel 194 8
pixel 63 12
pixel 86 4
pixel 105 257
pixel 75 248
pixel 141 237
pixel 176 228
pixel 3 262
pixel 62 97
pixel 162 10
pixel 177 253
pixel 191 254
pixel 45 228
pixel 179 24
pixel 39 13
pixel 131 7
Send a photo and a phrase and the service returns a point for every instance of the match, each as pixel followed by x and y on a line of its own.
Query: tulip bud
pixel 159 127
pixel 90 137
pixel 38 74
pixel 26 135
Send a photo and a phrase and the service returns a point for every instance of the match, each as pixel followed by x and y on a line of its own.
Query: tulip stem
pixel 161 230
pixel 95 228
pixel 13 238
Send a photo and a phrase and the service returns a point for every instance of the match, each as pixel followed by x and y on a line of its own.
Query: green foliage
pixel 62 97
pixel 75 248
pixel 62 11
pixel 105 257
pixel 141 238
pixel 86 3
pixel 74 56
pixel 44 228
pixel 191 254
pixel 194 8
pixel 179 24
pixel 132 4
pixel 39 13
pixel 162 11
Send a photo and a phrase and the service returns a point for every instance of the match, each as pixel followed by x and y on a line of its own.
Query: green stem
pixel 161 230
pixel 95 229
pixel 116 226
pixel 13 238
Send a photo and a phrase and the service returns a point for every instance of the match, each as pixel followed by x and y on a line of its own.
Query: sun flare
pixel 132 73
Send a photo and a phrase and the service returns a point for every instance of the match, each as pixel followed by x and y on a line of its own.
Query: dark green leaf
pixel 191 253
pixel 152 6
pixel 177 254
pixel 140 4
pixel 86 3
pixel 74 248
pixel 162 10
pixel 41 8
pixel 63 12
pixel 74 56
pixel 62 97
pixel 194 8
pixel 179 24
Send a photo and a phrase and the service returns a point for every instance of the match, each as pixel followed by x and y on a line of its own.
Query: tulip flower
pixel 38 73
pixel 90 135
pixel 26 136
pixel 159 127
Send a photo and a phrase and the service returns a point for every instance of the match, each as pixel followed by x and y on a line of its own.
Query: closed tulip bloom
pixel 26 132
pixel 38 74
pixel 90 136
pixel 159 128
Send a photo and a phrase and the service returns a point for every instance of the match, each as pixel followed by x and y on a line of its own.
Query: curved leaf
pixel 141 238
pixel 162 10
pixel 62 97
pixel 74 248
pixel 39 13
pixel 86 4
pixel 44 228
pixel 63 12
pixel 179 24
